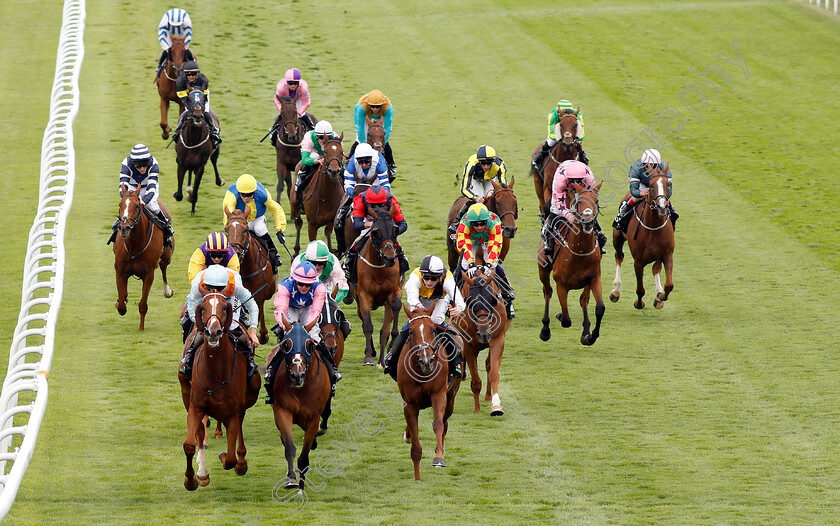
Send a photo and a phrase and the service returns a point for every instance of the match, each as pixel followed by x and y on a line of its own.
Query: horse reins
pixel 187 146
pixel 222 383
pixel 134 222
pixel 245 248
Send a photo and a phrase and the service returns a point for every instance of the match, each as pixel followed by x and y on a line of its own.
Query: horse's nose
pixel 509 232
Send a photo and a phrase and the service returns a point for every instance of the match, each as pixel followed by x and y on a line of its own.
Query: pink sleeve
pixel 304 97
pixel 281 304
pixel 318 300
pixel 281 91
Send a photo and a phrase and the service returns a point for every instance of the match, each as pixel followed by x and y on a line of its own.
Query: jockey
pixel 482 228
pixel 217 278
pixel 639 181
pixel 175 23
pixel 292 85
pixel 190 80
pixel 312 154
pixel 362 221
pixel 214 251
pixel 366 167
pixel 563 106
pixel 431 285
pixel 330 274
pixel 374 108
pixel 140 169
pixel 480 170
pixel 300 298
pixel 251 197
pixel 568 172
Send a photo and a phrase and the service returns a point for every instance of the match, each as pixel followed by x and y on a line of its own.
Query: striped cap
pixel 216 242
pixel 485 151
pixel 292 74
pixel 140 153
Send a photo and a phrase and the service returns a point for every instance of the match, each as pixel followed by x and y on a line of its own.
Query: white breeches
pixel 481 188
pixel 464 264
pixel 301 315
pixel 258 226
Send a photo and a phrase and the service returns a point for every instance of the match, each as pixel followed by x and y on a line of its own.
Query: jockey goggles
pixel 303 285
pixel 246 194
pixel 479 223
pixel 486 162
pixel 217 255
pixel 214 288
pixel 364 160
pixel 432 277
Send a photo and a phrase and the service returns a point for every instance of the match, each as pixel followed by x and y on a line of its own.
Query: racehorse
pixel 564 150
pixel 422 374
pixel 139 251
pixel 333 338
pixel 322 195
pixel 376 138
pixel 301 392
pixel 219 388
pixel 165 81
pixel 194 147
pixel 379 282
pixel 483 325
pixel 576 264
pixel 503 204
pixel 290 133
pixel 254 265
pixel 650 236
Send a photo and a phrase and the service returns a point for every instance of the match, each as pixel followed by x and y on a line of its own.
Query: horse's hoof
pixel 178 196
pixel 368 361
pixel 221 182
pixel 439 462
pixel 291 483
pixel 496 410
pixel 191 485
pixel 348 299
pixel 564 323
pixel 218 433
pixel 321 431
pixel 639 304
pixel 315 444
pixel 241 471
pixel 168 293
pixel 121 310
pixel 587 339
pixel 379 365
pixel 614 296
pixel 203 481
pixel 658 304
pixel 545 334
pixel 405 438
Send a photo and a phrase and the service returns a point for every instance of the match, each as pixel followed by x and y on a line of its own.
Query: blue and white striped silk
pixel 175 23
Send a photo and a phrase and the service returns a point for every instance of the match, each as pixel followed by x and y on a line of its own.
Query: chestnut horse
pixel 290 133
pixel 564 150
pixel 254 266
pixel 139 250
pixel 503 204
pixel 301 392
pixel 322 195
pixel 333 338
pixel 576 264
pixel 376 139
pixel 165 81
pixel 219 388
pixel 422 375
pixel 650 236
pixel 379 282
pixel 193 148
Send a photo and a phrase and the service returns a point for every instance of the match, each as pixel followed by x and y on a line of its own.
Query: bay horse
pixel 483 325
pixel 576 264
pixel 172 68
pixel 139 250
pixel 376 138
pixel 502 203
pixel 290 133
pixel 322 195
pixel 650 235
pixel 379 282
pixel 254 265
pixel 564 150
pixel 333 338
pixel 422 377
pixel 194 147
pixel 219 388
pixel 301 392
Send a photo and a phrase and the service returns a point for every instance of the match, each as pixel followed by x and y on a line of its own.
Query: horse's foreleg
pixel 298 225
pixel 325 416
pixel 283 421
pixel 194 193
pixel 639 267
pixel 179 195
pixel 392 318
pixel 241 463
pixel 312 227
pixel 494 360
pixel 164 117
pixel 584 306
pixel 363 308
pixel 663 293
pixel 563 315
pixel 438 410
pixel 308 440
pixel 214 157
pixel 411 412
pixel 163 264
pixel 193 421
pixel 471 358
pixel 597 293
pixel 545 333
pixel 263 328
pixel 148 279
pixel 122 292
pixel 232 428
pixel 618 244
pixel 328 232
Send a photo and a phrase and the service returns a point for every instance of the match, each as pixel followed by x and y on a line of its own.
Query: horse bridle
pixel 377 145
pixel 222 383
pixel 285 123
pixel 422 346
pixel 515 210
pixel 339 158
pixel 651 201
pixel 134 221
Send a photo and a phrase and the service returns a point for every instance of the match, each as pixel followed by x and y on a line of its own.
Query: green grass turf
pixel 720 408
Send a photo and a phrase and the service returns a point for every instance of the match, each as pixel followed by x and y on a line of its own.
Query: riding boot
pixel 549 235
pixel 538 158
pixel 306 119
pixel 168 231
pixel 674 215
pixel 252 364
pixel 187 360
pixel 404 264
pixel 115 227
pixel 269 384
pixel 623 210
pixel 350 264
pixel 602 239
pixel 392 359
pixel 453 227
pixel 389 159
pixel 273 256
pixel 332 368
pixel 161 62
pixel 186 327
pixel 507 291
pixel 300 183
pixel 452 350
pixel 214 131
pixel 272 132
pixel 582 155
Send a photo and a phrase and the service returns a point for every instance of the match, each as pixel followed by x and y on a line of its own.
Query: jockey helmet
pixel 305 273
pixel 317 252
pixel 292 74
pixel 376 195
pixel 323 128
pixel 431 266
pixel 216 276
pixel 576 170
pixel 191 67
pixel 363 150
pixel 485 152
pixel 651 156
pixel 477 213
pixel 246 184
pixel 376 98
pixel 216 242
pixel 564 105
pixel 140 155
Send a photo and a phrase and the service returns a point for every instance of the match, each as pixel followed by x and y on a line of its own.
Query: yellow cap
pixel 246 184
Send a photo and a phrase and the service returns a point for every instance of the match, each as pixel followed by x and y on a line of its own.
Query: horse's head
pixel 376 137
pixel 503 203
pixel 334 158
pixel 658 190
pixel 584 205
pixel 568 128
pixel 195 107
pixel 329 326
pixel 297 348
pixel 236 229
pixel 383 235
pixel 131 207
pixel 213 317
pixel 482 300
pixel 177 56
pixel 421 338
pixel 291 129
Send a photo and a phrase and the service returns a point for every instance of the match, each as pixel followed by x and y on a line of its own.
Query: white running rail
pixel 826 4
pixel 23 399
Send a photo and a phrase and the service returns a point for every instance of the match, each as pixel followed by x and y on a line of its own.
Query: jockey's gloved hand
pixel 471 271
pixel 281 237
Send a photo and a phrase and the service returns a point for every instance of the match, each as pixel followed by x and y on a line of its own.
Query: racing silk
pixel 362 115
pixel 289 296
pixel 200 261
pixel 474 172
pixel 360 212
pixel 310 148
pixel 239 293
pixel 256 208
pixel 466 239
pixel 444 293
pixel 562 183
pixel 166 30
pixel 376 173
pixel 130 176
pixel 332 276
pixel 639 179
pixel 300 95
pixel 554 121
pixel 183 87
